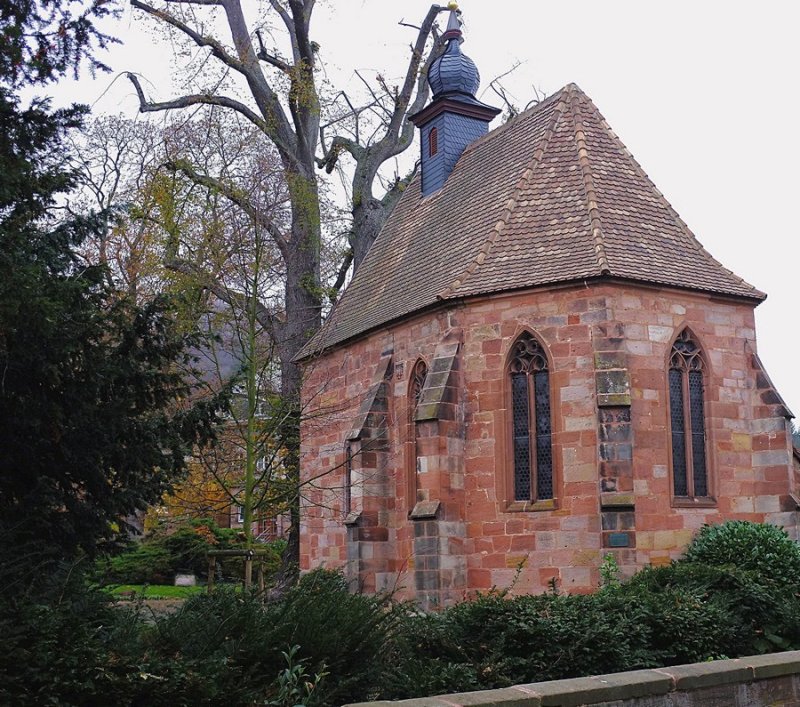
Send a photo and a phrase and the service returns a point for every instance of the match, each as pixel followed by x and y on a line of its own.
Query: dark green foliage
pixel 717 611
pixel 741 599
pixel 343 633
pixel 494 641
pixel 157 557
pixel 69 647
pixel 92 426
pixel 231 645
pixel 44 39
pixel 230 648
pixel 146 563
pixel 66 646
pixel 758 547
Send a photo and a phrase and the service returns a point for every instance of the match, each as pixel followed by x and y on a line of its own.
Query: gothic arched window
pixel 687 418
pixel 531 426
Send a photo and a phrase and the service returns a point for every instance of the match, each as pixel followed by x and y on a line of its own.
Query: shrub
pixel 347 635
pixel 187 549
pixel 70 648
pixel 735 612
pixel 493 641
pixel 230 647
pixel 143 564
pixel 165 551
pixel 758 547
pixel 67 647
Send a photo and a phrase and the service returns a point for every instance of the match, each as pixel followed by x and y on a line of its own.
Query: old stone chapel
pixel 536 365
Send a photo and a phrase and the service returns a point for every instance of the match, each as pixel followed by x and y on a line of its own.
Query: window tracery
pixel 531 421
pixel 687 418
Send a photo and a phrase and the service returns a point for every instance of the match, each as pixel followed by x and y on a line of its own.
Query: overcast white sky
pixel 704 94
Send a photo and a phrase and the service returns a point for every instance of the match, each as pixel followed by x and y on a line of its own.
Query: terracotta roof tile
pixel 551 196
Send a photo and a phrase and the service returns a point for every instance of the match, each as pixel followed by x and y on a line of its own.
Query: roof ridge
pixel 512 121
pixel 511 204
pixel 696 244
pixel 588 183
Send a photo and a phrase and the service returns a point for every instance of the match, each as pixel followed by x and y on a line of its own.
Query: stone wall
pixel 608 348
pixel 744 682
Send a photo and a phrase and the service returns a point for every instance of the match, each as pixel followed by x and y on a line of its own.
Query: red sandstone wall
pixel 750 465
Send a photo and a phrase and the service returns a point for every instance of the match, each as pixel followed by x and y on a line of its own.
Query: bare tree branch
pixel 201 41
pixel 264 55
pixel 146 106
pixel 337 146
pixel 237 196
pixel 342 274
pixel 398 133
pixel 204 279
pixel 497 87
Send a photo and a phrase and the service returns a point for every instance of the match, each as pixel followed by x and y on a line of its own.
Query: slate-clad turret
pixel 455 118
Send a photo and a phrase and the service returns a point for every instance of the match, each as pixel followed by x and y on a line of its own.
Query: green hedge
pixel 157 557
pixel 71 648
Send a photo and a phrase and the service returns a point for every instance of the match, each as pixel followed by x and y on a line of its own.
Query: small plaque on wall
pixel 619 540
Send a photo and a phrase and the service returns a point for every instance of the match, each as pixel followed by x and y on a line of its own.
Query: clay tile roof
pixel 551 196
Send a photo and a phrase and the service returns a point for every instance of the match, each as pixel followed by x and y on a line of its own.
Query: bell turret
pixel 455 117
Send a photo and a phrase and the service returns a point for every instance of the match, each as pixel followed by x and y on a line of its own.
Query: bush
pixel 493 642
pixel 143 564
pixel 737 612
pixel 228 647
pixel 758 547
pixel 348 635
pixel 67 647
pixel 70 648
pixel 157 557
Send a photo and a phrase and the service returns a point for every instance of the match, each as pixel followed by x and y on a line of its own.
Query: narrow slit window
pixel 433 142
pixel 347 502
pixel 687 418
pixel 418 375
pixel 531 423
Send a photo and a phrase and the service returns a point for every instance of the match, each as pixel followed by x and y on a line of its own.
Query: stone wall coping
pixel 575 692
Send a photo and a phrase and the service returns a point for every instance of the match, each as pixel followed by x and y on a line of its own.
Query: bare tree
pixel 167 232
pixel 283 102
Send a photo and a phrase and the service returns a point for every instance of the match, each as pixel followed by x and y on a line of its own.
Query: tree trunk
pixel 303 316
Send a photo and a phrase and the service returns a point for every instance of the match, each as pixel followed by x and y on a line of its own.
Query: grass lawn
pixel 152 591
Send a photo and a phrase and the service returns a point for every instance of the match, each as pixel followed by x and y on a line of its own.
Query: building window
pixel 531 425
pixel 347 501
pixel 687 418
pixel 418 376
pixel 416 384
pixel 433 142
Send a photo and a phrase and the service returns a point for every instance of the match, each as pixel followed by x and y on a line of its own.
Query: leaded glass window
pixel 531 423
pixel 687 418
